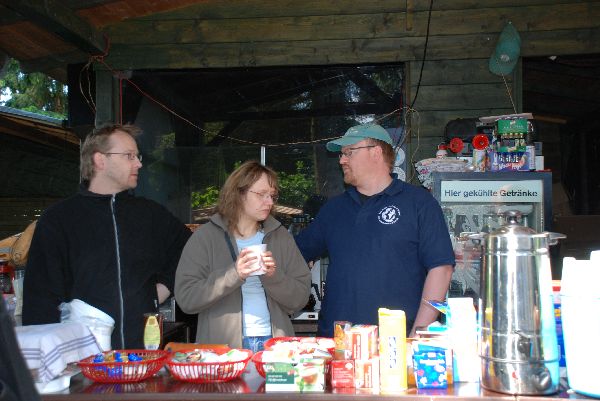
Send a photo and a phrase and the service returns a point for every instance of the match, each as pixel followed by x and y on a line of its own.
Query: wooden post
pixel 107 98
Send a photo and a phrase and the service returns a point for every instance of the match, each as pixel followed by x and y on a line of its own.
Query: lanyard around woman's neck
pixel 230 245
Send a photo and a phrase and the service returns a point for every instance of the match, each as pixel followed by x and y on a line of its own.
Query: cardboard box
pixel 366 373
pixel 517 125
pixel 508 161
pixel 304 376
pixel 437 339
pixel 342 373
pixel 363 340
pixel 430 364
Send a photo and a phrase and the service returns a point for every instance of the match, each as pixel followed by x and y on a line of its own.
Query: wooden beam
pixel 53 61
pixel 347 51
pixel 550 119
pixel 53 16
pixel 55 138
pixel 222 9
pixel 376 25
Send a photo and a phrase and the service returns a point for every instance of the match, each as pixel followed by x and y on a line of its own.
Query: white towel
pixel 48 348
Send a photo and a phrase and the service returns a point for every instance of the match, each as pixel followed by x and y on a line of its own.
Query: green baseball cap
pixel 506 54
pixel 358 133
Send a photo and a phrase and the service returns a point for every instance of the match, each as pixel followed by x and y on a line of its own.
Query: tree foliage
pixel 294 188
pixel 205 199
pixel 34 92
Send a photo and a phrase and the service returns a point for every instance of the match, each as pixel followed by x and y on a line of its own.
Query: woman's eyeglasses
pixel 265 195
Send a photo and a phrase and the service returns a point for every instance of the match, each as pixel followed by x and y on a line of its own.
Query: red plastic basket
pixel 260 365
pixel 204 372
pixel 235 386
pixel 124 372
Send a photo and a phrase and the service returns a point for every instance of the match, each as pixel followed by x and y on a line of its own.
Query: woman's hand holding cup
pixel 250 261
pixel 270 265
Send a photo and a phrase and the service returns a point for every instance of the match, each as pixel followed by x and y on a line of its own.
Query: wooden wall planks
pixel 455 82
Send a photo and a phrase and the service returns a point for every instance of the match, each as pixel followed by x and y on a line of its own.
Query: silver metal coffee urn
pixel 518 344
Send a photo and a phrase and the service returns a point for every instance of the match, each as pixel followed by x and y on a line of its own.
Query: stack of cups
pixel 580 303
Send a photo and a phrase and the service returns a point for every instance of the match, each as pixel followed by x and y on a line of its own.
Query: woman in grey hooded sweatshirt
pixel 217 276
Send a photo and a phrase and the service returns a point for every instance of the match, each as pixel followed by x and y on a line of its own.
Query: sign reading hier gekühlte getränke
pixel 492 191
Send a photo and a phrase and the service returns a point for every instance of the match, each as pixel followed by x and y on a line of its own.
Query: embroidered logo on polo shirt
pixel 389 215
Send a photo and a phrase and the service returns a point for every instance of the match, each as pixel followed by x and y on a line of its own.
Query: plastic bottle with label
pixel 153 330
pixel 6 277
pixel 442 151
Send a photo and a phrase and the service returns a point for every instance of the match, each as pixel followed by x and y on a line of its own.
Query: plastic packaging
pixel 580 302
pixel 100 324
pixel 462 334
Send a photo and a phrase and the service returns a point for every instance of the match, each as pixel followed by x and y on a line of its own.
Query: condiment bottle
pixel 153 331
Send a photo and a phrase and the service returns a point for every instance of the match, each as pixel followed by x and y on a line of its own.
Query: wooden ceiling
pixel 47 35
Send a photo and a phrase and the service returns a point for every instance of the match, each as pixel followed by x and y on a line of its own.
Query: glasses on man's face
pixel 265 195
pixel 348 152
pixel 130 155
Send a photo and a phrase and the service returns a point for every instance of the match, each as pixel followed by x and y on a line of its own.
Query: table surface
pixel 250 386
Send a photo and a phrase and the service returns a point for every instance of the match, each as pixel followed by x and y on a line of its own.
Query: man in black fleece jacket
pixel 104 246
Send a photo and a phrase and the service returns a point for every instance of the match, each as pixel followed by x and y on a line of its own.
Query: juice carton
pixel 392 350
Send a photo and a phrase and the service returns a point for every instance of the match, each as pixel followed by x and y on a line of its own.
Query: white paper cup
pixel 258 250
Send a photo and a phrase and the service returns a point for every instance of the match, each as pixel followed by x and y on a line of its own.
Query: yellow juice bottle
pixel 392 350
pixel 152 331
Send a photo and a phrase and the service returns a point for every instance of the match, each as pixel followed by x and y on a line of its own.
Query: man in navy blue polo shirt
pixel 387 240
